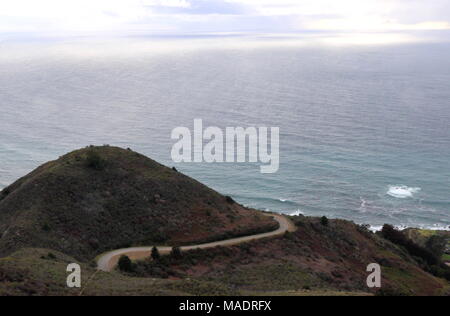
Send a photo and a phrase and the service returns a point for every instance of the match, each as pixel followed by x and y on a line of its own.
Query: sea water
pixel 364 130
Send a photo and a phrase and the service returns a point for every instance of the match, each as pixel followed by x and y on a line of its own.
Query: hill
pixel 104 198
pixel 42 272
pixel 315 259
pixel 101 198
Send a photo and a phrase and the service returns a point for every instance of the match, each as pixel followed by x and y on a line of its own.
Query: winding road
pixel 108 261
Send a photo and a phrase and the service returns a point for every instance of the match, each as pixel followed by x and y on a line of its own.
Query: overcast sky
pixel 184 16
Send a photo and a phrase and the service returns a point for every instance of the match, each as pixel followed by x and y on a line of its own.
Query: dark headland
pixel 99 199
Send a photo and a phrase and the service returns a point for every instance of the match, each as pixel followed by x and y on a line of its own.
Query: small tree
pixel 230 200
pixel 155 254
pixel 125 264
pixel 94 161
pixel 324 221
pixel 176 253
pixel 46 227
pixel 436 245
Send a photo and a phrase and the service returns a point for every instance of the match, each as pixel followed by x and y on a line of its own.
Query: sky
pixel 418 18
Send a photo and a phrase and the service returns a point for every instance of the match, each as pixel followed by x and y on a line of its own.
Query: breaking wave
pixel 297 213
pixel 402 192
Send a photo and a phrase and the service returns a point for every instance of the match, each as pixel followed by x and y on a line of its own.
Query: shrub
pixel 49 256
pixel 437 244
pixel 397 237
pixel 155 254
pixel 442 271
pixel 125 264
pixel 289 236
pixel 94 161
pixel 4 193
pixel 230 200
pixel 389 291
pixel 46 227
pixel 176 253
pixel 324 221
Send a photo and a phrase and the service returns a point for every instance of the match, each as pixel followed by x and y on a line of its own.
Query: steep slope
pixel 42 272
pixel 315 258
pixel 101 198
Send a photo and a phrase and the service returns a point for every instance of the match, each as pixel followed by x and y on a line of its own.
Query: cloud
pixel 224 15
pixel 200 7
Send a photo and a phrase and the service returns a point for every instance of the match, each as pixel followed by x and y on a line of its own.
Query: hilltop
pixel 102 198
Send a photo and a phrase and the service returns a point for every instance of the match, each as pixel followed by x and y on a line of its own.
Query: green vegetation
pixel 230 200
pixel 315 259
pixel 429 257
pixel 397 237
pixel 155 254
pixel 26 273
pixel 436 244
pixel 102 198
pixel 94 160
pixel 125 264
pixel 176 253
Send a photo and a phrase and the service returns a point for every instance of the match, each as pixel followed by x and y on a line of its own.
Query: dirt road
pixel 108 261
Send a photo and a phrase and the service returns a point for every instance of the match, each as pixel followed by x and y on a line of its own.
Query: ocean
pixel 364 130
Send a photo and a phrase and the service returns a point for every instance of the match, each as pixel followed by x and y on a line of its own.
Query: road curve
pixel 108 261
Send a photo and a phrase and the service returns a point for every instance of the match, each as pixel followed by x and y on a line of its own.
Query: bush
pixel 4 193
pixel 441 271
pixel 94 160
pixel 437 244
pixel 230 200
pixel 397 237
pixel 176 253
pixel 289 236
pixel 46 227
pixel 155 254
pixel 324 221
pixel 389 291
pixel 125 264
pixel 49 256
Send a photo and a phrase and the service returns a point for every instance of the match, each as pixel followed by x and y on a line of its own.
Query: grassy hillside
pixel 437 241
pixel 42 272
pixel 316 258
pixel 101 198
